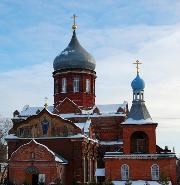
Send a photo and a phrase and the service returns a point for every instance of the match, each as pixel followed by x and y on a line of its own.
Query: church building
pixel 79 141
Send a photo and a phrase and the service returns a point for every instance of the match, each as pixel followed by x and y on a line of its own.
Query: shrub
pixel 128 182
pixel 164 179
pixel 108 182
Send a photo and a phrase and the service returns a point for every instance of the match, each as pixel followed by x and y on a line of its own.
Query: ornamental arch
pixel 139 142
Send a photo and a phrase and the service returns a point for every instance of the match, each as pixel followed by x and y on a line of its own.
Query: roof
pixel 121 155
pixel 84 126
pixel 29 111
pixel 139 111
pixel 77 136
pixel 105 110
pixel 110 108
pixel 117 142
pixel 74 57
pixel 139 122
pixel 57 157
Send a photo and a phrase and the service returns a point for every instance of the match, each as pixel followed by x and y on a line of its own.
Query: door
pixel 34 179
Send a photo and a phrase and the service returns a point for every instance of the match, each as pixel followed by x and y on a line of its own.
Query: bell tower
pixel 74 74
pixel 139 130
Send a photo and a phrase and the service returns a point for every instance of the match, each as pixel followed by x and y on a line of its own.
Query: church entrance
pixel 32 175
pixel 34 179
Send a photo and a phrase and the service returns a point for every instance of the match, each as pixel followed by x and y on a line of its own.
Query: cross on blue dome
pixel 138 83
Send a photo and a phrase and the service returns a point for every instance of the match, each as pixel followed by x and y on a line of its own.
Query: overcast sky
pixel 116 33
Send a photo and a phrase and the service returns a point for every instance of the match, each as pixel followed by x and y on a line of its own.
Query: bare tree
pixel 5 125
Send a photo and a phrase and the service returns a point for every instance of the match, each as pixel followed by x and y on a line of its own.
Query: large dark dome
pixel 74 57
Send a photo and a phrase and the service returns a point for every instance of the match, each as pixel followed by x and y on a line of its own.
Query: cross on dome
pixel 137 65
pixel 138 83
pixel 45 105
pixel 74 26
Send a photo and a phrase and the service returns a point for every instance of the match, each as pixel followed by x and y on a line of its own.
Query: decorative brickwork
pixel 33 159
pixel 82 98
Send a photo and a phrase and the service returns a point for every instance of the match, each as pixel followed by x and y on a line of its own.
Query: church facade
pixel 77 141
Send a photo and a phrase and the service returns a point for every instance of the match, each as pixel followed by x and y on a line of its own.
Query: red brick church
pixel 76 140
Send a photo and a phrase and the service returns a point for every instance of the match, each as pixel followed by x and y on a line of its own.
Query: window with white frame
pixel 64 85
pixel 88 86
pixel 155 172
pixel 41 178
pixel 76 84
pixel 124 172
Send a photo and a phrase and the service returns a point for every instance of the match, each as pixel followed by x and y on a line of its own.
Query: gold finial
pixel 46 105
pixel 137 65
pixel 74 26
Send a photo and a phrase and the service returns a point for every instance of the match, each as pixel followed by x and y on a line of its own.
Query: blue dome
pixel 138 84
pixel 74 57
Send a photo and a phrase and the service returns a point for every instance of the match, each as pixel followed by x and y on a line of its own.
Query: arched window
pixel 139 142
pixel 124 172
pixel 45 126
pixel 155 172
pixel 64 85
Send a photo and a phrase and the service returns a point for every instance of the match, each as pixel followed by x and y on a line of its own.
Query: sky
pixel 116 33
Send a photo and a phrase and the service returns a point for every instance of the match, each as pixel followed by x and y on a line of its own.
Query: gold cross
pixel 46 105
pixel 74 26
pixel 137 65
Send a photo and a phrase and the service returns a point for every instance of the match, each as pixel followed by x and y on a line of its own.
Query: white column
pixel 135 96
pixel 88 177
pixel 84 161
pixel 90 170
pixel 95 168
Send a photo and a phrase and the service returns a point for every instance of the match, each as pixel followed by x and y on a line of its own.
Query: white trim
pixel 119 155
pixel 63 85
pixel 76 83
pixel 124 172
pixel 155 172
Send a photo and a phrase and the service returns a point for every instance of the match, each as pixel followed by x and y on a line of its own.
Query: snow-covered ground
pixel 139 182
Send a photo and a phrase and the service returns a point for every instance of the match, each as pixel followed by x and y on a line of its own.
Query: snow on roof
pixel 109 108
pixel 11 136
pixel 139 182
pixel 121 155
pixel 84 126
pixel 100 172
pixel 104 109
pixel 77 136
pixel 110 142
pixel 29 111
pixel 72 115
pixel 139 122
pixel 57 157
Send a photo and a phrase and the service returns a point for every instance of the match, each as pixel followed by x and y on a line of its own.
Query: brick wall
pixel 42 159
pixel 140 169
pixel 149 130
pixel 81 98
